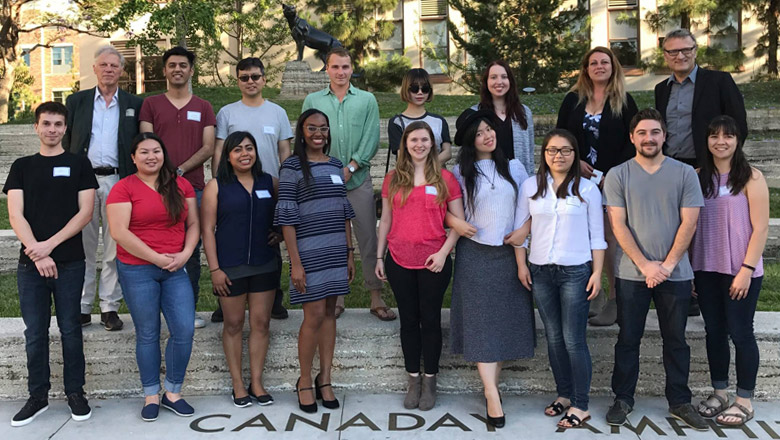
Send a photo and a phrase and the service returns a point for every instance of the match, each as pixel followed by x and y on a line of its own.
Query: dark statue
pixel 305 34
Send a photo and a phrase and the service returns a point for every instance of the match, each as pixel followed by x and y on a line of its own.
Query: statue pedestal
pixel 299 80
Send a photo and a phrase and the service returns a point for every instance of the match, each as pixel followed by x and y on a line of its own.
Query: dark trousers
pixel 724 318
pixel 671 299
pixel 35 295
pixel 419 294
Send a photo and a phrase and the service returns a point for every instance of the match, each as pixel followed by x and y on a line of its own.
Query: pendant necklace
pixel 491 181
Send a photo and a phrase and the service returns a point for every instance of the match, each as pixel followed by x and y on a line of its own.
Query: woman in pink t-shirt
pixel 415 199
pixel 152 215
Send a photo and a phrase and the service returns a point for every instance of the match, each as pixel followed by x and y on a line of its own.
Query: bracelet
pixel 213 270
pixel 747 266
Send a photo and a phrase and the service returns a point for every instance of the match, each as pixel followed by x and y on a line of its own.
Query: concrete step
pixel 368 358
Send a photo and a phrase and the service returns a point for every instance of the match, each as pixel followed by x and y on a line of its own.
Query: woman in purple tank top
pixel 728 268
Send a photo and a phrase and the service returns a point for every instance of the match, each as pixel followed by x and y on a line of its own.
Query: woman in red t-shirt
pixel 415 199
pixel 152 215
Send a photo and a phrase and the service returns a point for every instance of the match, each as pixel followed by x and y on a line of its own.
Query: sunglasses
pixel 416 88
pixel 245 78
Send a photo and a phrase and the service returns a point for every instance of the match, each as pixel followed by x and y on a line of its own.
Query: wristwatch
pixel 179 172
pixel 351 168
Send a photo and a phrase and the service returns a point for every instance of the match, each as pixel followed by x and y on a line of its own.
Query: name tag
pixel 263 194
pixel 596 177
pixel 336 179
pixel 573 201
pixel 130 113
pixel 61 171
pixel 268 129
pixel 724 191
pixel 193 116
pixel 430 189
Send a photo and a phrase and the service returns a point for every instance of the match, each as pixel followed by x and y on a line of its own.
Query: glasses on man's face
pixel 245 78
pixel 565 152
pixel 686 51
pixel 416 88
pixel 312 129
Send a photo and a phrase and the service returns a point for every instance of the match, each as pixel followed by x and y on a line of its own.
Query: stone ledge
pixel 368 358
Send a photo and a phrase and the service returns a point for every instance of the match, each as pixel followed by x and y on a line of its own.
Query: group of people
pixel 614 191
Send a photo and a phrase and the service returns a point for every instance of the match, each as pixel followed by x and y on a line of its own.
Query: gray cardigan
pixel 523 140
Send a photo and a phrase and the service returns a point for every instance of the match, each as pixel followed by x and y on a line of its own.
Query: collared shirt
pixel 563 231
pixel 354 127
pixel 678 116
pixel 103 148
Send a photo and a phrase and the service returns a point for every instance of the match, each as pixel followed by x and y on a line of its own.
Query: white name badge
pixel 263 194
pixel 130 113
pixel 430 189
pixel 193 116
pixel 596 177
pixel 336 179
pixel 268 129
pixel 573 201
pixel 724 191
pixel 61 171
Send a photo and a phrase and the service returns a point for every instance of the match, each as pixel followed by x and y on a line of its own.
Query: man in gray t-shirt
pixel 653 203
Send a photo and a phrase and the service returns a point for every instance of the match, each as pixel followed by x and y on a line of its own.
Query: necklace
pixel 491 181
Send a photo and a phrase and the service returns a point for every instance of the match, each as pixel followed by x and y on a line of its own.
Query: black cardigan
pixel 614 146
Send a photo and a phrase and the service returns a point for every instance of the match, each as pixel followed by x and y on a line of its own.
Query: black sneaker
pixel 217 315
pixel 111 321
pixel 279 312
pixel 79 408
pixel 86 319
pixel 687 414
pixel 30 411
pixel 618 413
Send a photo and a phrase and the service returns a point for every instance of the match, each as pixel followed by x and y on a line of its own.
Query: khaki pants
pixel 364 228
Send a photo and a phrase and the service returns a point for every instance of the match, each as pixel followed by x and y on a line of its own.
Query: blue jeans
pixel 671 299
pixel 560 295
pixel 193 264
pixel 149 289
pixel 35 293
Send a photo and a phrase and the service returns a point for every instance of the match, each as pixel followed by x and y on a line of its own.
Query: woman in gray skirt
pixel 491 318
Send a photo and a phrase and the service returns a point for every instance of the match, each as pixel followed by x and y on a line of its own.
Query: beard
pixel 642 152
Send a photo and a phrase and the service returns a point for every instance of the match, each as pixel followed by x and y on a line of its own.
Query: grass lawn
pixel 774 202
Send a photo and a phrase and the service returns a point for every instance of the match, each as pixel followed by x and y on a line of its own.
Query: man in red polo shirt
pixel 186 124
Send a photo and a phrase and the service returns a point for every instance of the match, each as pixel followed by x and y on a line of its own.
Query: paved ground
pixel 366 417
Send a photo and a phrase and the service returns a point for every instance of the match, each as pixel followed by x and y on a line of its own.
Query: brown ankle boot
pixel 428 393
pixel 412 399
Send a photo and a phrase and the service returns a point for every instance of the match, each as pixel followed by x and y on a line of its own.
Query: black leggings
pixel 419 294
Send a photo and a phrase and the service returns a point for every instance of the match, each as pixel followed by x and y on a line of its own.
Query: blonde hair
pixel 403 176
pixel 616 87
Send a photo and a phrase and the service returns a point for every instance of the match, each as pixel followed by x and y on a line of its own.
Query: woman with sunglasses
pixel 514 122
pixel 315 214
pixel 566 219
pixel 416 90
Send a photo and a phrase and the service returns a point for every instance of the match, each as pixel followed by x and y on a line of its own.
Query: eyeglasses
pixel 245 78
pixel 416 88
pixel 686 51
pixel 565 152
pixel 312 129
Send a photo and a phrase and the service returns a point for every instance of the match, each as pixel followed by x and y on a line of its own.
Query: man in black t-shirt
pixel 50 199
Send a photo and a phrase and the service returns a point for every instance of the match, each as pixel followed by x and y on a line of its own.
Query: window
pixel 394 44
pixel 624 34
pixel 59 95
pixel 434 35
pixel 61 59
pixel 726 35
pixel 26 55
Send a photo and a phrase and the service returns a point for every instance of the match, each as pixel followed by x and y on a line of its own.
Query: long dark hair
pixel 172 196
pixel 573 175
pixel 467 160
pixel 514 108
pixel 740 168
pixel 299 149
pixel 225 171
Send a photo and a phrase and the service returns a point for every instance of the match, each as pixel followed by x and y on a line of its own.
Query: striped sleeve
pixel 287 212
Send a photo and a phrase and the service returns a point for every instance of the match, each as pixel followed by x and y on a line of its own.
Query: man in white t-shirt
pixel 269 125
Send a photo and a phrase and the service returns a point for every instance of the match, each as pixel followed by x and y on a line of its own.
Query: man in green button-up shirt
pixel 354 129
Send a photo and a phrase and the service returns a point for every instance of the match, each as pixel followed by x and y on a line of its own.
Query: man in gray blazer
pixel 102 122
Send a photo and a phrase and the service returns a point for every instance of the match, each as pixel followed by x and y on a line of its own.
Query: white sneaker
pixel 199 322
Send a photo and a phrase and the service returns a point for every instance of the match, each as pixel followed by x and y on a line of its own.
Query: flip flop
pixel 574 421
pixel 557 408
pixel 745 417
pixel 389 315
pixel 339 311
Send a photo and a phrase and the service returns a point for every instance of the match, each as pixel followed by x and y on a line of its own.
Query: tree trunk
pixel 685 20
pixel 6 82
pixel 772 15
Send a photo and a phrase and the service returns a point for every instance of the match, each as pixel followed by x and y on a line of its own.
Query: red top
pixel 417 230
pixel 149 219
pixel 181 130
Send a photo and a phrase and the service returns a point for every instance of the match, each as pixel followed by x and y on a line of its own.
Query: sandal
pixel 557 408
pixel 746 416
pixel 388 314
pixel 574 421
pixel 708 410
pixel 339 311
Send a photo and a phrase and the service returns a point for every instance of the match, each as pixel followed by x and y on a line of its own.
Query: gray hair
pixel 110 50
pixel 680 33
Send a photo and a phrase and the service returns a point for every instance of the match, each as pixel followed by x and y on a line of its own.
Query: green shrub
pixel 385 74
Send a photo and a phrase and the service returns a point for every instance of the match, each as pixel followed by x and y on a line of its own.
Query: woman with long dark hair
pixel 153 216
pixel 514 121
pixel 565 216
pixel 237 215
pixel 728 267
pixel 315 214
pixel 491 318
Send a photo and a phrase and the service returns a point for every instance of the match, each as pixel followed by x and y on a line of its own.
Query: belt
pixel 105 171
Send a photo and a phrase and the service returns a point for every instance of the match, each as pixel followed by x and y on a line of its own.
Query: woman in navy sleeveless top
pixel 239 240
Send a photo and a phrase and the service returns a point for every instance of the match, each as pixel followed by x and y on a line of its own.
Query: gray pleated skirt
pixel 492 315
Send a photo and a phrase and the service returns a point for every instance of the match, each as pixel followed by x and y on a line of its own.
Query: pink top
pixel 723 233
pixel 149 219
pixel 417 230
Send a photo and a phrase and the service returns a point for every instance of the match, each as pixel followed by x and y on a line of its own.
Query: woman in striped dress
pixel 314 214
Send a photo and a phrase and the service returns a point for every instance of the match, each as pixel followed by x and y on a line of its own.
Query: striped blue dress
pixel 318 210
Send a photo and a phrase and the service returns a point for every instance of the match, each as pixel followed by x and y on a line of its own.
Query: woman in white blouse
pixel 565 218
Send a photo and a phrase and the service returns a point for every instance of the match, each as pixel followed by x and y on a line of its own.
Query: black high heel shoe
pixel 330 404
pixel 498 422
pixel 310 408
